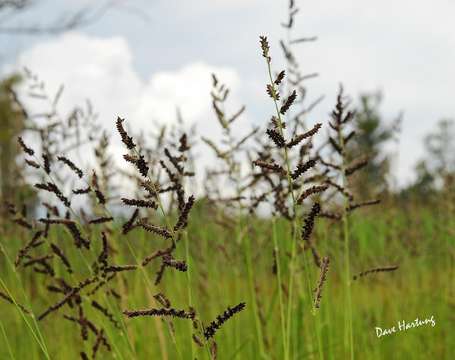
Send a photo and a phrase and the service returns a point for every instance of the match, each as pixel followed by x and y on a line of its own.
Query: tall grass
pixel 276 259
pixel 380 300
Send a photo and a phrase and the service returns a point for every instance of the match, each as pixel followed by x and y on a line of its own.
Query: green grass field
pixel 166 195
pixel 228 265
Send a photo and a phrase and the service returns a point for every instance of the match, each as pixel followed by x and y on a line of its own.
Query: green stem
pixel 348 338
pixel 190 297
pixel 294 206
pixel 280 291
pixel 8 345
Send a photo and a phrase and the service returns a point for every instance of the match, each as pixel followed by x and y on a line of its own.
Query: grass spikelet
pixel 336 146
pixel 160 273
pixel 272 92
pixel 212 328
pixel 32 163
pixel 24 223
pixel 155 255
pixel 130 158
pixel 183 143
pixel 84 323
pixel 77 236
pixel 44 268
pixel 276 123
pixel 10 300
pixel 71 165
pixel 362 204
pixel 154 188
pixel 288 102
pixel 265 47
pixel 50 187
pixel 156 229
pixel 341 189
pixel 139 162
pixel 46 163
pixel 128 226
pixel 101 284
pixel 330 215
pixel 82 191
pixel 176 264
pixel 310 191
pixel 101 220
pixel 322 279
pixel 175 160
pixel 309 222
pixel 39 259
pixel 279 78
pixel 55 221
pixel 272 166
pixel 127 140
pixel 182 221
pixel 23 251
pixel 75 290
pixel 276 137
pixel 120 268
pixel 163 300
pixel 302 168
pixel 140 203
pixel 100 340
pixel 99 195
pixel 376 270
pixel 297 139
pixel 57 251
pixel 102 257
pixel 52 209
pixel 160 312
pixel 173 177
pixel 24 147
pixel 142 166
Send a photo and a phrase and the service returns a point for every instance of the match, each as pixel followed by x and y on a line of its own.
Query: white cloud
pixel 101 70
pixel 188 88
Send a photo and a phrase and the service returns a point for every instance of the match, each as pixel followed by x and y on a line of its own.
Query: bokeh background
pixel 142 59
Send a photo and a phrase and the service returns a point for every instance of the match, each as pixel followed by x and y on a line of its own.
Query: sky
pixel 142 59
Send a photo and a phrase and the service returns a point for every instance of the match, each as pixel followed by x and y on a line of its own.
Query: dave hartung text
pixel 404 325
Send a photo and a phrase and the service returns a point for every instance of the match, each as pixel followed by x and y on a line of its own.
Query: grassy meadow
pixel 231 264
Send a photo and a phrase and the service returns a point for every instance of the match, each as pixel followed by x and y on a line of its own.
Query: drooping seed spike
pixel 309 222
pixel 376 270
pixel 322 279
pixel 24 147
pixel 288 103
pixel 127 140
pixel 211 329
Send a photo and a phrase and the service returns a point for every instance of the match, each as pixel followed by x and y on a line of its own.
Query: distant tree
pixel 372 134
pixel 440 148
pixel 435 172
pixel 12 122
pixel 423 186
